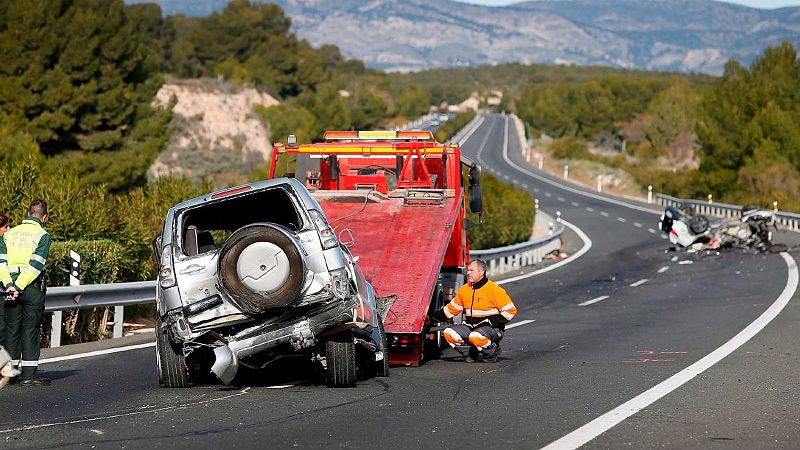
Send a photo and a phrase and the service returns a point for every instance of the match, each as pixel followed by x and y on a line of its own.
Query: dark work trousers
pixel 23 322
pixel 471 338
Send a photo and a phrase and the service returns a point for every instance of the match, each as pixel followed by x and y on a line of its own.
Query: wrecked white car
pixel 253 273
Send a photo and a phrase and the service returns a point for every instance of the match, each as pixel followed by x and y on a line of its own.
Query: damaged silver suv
pixel 253 273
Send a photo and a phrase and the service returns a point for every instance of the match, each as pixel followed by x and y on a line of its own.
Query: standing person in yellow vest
pixel 7 370
pixel 23 254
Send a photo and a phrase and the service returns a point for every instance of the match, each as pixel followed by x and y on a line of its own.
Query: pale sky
pixel 765 4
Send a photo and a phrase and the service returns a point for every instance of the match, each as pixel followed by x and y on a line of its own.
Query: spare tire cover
pixel 262 269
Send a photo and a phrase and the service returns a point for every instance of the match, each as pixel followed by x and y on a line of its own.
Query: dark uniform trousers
pixel 23 322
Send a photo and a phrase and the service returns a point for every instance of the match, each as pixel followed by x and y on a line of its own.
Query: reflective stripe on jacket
pixel 23 253
pixel 489 302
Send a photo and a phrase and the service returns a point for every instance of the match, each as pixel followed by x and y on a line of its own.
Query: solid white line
pixel 519 324
pixel 594 300
pixel 639 283
pixel 472 131
pixel 610 419
pixel 663 269
pixel 587 244
pixel 97 353
pixel 571 189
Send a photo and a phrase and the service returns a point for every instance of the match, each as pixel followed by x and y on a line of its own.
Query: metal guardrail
pixel 502 260
pixel 788 221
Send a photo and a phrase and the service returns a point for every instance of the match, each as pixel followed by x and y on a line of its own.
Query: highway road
pixel 628 345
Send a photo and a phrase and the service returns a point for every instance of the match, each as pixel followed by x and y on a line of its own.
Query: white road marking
pixel 575 204
pixel 663 269
pixel 603 213
pixel 128 414
pixel 587 244
pixel 547 194
pixel 594 300
pixel 520 323
pixel 590 209
pixel 621 219
pixel 652 231
pixel 506 177
pixel 561 199
pixel 571 189
pixel 535 189
pixel 637 224
pixel 674 258
pixel 610 419
pixel 685 262
pixel 639 283
pixel 524 186
pixel 97 353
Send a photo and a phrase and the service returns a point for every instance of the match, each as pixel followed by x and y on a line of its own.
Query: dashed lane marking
pixel 590 209
pixel 639 283
pixel 621 219
pixel 652 231
pixel 663 269
pixel 612 418
pixel 520 323
pixel 685 262
pixel 561 199
pixel 575 204
pixel 603 213
pixel 594 300
pixel 547 194
pixel 637 224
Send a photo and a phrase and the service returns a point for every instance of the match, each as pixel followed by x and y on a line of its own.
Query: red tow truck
pixel 398 200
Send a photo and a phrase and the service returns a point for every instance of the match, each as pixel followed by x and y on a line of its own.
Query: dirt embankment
pixel 217 135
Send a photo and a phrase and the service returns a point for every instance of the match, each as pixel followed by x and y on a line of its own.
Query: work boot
pixel 472 356
pixel 494 356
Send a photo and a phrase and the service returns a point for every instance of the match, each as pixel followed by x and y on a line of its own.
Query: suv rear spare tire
pixel 262 269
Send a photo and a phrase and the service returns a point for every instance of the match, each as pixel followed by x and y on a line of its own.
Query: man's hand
pixel 14 293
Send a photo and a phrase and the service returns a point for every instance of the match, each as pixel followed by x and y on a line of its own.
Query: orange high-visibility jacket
pixel 483 301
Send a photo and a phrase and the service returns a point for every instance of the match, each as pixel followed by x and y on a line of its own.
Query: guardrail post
pixel 599 183
pixel 775 206
pixel 541 162
pixel 58 316
pixel 558 216
pixel 710 198
pixel 566 171
pixel 119 316
pixel 649 194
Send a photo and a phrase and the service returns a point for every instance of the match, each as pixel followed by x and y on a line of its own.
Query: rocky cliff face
pixel 216 135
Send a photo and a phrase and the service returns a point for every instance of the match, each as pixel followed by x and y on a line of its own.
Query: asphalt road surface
pixel 628 345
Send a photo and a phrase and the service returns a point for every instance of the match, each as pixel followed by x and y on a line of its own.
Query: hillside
pixel 680 35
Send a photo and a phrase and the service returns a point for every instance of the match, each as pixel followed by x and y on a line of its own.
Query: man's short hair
pixel 38 208
pixel 480 263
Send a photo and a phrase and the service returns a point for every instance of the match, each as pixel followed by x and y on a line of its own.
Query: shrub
pixel 508 215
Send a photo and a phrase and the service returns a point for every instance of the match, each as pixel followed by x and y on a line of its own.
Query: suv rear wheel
pixel 340 354
pixel 262 269
pixel 172 369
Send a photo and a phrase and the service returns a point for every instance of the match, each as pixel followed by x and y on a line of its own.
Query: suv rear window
pixel 206 227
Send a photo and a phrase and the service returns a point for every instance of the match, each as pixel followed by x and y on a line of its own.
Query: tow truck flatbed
pixel 400 248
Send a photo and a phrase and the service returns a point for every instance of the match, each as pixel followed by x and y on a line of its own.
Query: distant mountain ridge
pixel 680 35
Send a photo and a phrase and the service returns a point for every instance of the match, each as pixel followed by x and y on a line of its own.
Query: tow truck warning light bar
pixel 417 135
